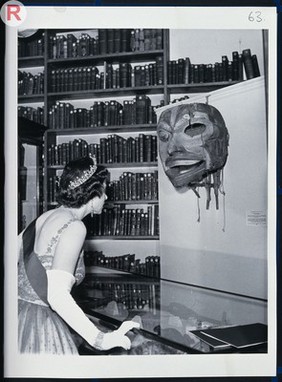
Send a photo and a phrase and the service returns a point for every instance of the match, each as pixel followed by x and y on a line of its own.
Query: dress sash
pixel 35 271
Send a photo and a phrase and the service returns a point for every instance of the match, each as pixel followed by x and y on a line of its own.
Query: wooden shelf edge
pixel 30 62
pixel 110 202
pixel 95 93
pixel 107 271
pixel 32 98
pixel 143 201
pixel 104 129
pixel 113 57
pixel 116 237
pixel 112 165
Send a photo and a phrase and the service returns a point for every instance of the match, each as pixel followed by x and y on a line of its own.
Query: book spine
pixel 235 66
pixel 102 36
pixel 224 68
pixel 240 68
pixel 187 66
pixel 125 33
pixel 117 40
pixel 255 66
pixel 248 64
pixel 160 70
pixel 201 73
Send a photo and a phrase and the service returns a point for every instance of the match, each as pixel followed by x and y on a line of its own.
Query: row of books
pixel 63 115
pixel 109 77
pixel 182 71
pixel 126 75
pixel 132 296
pixel 29 84
pixel 31 113
pixel 134 186
pixel 107 41
pixel 146 39
pixel 31 48
pixel 120 221
pixel 113 149
pixel 126 263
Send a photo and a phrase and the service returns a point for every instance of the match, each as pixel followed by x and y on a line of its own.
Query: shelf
pixel 116 237
pixel 28 128
pixel 113 58
pixel 105 93
pixel 28 62
pixel 32 98
pixel 113 275
pixel 104 129
pixel 110 202
pixel 112 165
pixel 143 201
pixel 199 87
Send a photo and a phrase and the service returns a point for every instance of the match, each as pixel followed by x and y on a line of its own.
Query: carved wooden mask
pixel 193 143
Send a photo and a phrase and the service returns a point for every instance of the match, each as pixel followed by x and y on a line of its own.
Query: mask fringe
pixel 221 190
pixel 198 207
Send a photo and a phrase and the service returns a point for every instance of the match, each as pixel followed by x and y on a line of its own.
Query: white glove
pixel 60 284
pixel 118 337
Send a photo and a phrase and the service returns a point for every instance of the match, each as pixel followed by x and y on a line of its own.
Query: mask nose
pixel 173 145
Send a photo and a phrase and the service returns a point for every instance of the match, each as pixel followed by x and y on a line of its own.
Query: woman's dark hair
pixel 80 195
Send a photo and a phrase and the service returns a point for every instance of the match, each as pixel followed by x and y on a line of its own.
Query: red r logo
pixel 13 10
pixel 13 13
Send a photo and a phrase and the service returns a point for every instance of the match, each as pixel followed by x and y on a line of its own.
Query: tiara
pixel 79 180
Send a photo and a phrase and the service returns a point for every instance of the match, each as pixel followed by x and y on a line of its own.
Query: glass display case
pixel 168 313
pixel 29 171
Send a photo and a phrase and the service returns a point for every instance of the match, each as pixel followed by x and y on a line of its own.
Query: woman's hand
pixel 117 338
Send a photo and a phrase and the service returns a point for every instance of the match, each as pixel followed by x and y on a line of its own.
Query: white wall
pixel 200 252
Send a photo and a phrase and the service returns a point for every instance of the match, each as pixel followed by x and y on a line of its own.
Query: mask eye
pixel 195 129
pixel 164 135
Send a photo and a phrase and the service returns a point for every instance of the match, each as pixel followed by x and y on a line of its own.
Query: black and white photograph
pixel 143 210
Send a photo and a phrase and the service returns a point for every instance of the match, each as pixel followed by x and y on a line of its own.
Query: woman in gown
pixel 51 262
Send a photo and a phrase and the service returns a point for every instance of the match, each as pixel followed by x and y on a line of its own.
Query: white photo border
pixel 230 365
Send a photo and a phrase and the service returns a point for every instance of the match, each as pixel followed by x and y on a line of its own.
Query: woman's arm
pixel 60 282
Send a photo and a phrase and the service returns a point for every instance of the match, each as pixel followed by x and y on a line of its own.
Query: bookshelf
pixel 27 62
pixel 98 90
pixel 102 86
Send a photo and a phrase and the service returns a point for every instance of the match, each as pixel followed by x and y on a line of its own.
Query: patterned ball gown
pixel 40 329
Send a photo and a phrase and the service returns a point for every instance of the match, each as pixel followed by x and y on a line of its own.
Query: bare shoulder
pixel 58 223
pixel 70 229
pixel 69 246
pixel 76 227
